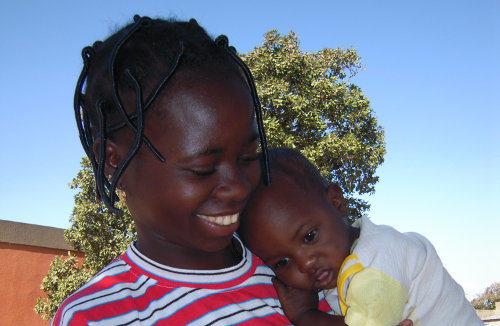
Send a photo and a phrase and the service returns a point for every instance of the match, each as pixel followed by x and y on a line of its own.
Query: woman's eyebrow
pixel 204 152
pixel 214 151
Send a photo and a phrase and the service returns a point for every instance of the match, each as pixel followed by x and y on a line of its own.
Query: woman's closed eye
pixel 247 158
pixel 250 155
pixel 281 263
pixel 203 172
pixel 310 236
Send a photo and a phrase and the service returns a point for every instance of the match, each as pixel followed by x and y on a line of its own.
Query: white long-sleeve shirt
pixel 391 276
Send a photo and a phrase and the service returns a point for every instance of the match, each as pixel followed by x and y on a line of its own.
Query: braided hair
pixel 131 62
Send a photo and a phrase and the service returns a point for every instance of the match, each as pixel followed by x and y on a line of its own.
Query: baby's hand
pixel 295 302
pixel 406 322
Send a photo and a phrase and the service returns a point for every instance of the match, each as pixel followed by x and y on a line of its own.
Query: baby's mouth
pixel 222 219
pixel 323 277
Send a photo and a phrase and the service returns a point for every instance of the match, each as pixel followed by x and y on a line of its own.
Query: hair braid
pixel 119 64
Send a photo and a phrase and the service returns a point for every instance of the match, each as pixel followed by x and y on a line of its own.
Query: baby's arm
pixel 301 306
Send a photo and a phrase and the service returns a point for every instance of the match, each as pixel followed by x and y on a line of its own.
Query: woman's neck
pixel 178 256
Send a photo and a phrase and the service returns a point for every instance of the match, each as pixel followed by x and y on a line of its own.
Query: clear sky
pixel 432 74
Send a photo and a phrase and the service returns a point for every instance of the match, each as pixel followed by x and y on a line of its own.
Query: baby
pixel 369 274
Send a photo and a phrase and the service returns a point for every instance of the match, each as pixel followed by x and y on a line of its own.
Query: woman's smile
pixel 223 226
pixel 221 220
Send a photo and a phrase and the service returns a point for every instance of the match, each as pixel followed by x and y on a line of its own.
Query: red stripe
pixel 274 319
pixel 196 308
pixel 324 306
pixel 105 283
pixel 125 305
pixel 216 301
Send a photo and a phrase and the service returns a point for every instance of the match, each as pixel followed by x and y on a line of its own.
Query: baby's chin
pixel 302 286
pixel 314 286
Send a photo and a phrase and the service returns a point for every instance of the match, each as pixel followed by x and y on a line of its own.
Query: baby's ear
pixel 335 196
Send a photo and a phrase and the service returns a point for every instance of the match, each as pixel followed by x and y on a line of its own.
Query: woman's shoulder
pixel 106 283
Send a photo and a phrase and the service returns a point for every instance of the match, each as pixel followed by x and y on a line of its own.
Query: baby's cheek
pixel 295 279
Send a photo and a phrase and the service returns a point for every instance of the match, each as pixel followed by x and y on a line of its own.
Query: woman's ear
pixel 336 198
pixel 112 155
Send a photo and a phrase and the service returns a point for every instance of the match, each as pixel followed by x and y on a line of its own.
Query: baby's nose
pixel 307 265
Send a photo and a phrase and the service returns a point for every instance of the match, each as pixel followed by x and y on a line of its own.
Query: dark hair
pixel 292 165
pixel 143 56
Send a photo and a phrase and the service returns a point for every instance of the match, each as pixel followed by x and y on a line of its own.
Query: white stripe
pixel 115 268
pixel 239 309
pixel 332 299
pixel 263 269
pixel 192 276
pixel 254 280
pixel 187 300
pixel 144 315
pixel 111 265
pixel 107 295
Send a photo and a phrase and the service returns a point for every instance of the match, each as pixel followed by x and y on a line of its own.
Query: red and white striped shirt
pixel 135 290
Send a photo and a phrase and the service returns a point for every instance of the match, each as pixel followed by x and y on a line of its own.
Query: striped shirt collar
pixel 175 277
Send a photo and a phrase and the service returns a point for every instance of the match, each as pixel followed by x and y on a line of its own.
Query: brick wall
pixel 26 251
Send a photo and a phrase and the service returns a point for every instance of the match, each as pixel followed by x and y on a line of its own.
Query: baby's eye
pixel 310 236
pixel 281 263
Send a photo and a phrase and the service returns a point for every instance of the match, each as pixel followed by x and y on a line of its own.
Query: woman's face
pixel 189 206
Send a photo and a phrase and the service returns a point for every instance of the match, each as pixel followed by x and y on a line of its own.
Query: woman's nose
pixel 234 186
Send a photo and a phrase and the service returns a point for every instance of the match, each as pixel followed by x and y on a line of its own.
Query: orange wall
pixel 22 269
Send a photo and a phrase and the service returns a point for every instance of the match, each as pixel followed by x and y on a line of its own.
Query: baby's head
pixel 297 224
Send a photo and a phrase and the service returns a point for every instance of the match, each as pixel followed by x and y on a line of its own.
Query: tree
pixel 309 103
pixel 101 235
pixel 487 299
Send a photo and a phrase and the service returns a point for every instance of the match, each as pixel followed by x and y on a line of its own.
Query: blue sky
pixel 432 74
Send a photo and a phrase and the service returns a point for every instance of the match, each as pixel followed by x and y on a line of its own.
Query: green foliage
pixel 309 103
pixel 64 277
pixel 95 231
pixel 488 298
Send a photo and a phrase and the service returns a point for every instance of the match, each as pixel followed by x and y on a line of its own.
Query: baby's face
pixel 301 237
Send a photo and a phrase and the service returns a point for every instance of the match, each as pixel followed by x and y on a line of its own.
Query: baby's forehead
pixel 290 167
pixel 296 187
pixel 281 203
pixel 290 187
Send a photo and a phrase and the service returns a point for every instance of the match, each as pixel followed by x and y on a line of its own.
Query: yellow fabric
pixel 343 277
pixel 374 299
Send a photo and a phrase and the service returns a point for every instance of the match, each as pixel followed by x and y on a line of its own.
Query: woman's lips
pixel 221 220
